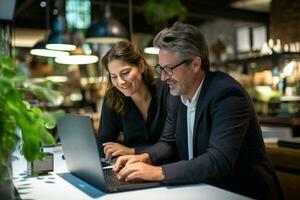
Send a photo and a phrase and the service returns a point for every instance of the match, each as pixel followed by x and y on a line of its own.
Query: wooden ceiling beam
pixel 215 11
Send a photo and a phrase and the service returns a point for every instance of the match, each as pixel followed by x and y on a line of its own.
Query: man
pixel 216 134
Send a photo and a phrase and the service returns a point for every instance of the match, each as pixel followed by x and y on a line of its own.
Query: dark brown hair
pixel 129 53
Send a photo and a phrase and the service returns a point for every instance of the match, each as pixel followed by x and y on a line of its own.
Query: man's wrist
pixel 162 175
pixel 146 158
pixel 132 151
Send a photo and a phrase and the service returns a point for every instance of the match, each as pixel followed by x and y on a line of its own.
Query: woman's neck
pixel 142 100
pixel 142 95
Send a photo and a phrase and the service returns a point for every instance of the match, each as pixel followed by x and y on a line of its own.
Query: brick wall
pixel 285 20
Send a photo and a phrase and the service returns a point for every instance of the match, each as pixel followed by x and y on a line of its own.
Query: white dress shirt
pixel 190 116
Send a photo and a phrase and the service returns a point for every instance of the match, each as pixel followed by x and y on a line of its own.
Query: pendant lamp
pixel 107 30
pixel 39 49
pixel 77 57
pixel 80 55
pixel 59 38
pixel 150 49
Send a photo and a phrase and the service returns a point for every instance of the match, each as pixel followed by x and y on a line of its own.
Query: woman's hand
pixel 112 149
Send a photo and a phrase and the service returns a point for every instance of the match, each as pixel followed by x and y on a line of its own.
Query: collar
pixel 194 101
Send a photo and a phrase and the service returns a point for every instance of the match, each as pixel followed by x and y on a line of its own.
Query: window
pixel 243 39
pixel 78 14
pixel 259 36
pixel 251 38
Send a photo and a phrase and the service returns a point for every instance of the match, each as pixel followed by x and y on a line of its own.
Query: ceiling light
pixel 151 50
pixel 106 30
pixel 77 59
pixel 48 53
pixel 59 39
pixel 255 5
pixel 39 50
pixel 61 47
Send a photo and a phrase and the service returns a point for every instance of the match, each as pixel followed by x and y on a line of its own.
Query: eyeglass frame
pixel 169 71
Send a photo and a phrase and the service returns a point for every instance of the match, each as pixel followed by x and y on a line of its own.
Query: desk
pixel 61 184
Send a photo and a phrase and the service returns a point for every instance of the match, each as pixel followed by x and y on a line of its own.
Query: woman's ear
pixel 142 66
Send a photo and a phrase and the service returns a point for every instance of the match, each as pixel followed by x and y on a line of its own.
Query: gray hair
pixel 186 41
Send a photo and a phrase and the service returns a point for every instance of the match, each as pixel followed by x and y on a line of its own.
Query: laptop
pixel 293 142
pixel 82 156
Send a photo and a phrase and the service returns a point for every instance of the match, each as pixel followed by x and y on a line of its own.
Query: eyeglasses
pixel 167 70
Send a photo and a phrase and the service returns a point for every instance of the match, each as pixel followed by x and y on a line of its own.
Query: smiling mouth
pixel 171 83
pixel 125 88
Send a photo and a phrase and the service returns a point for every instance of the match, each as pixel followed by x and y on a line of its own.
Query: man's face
pixel 182 77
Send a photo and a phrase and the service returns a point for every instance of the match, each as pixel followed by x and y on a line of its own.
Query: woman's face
pixel 127 78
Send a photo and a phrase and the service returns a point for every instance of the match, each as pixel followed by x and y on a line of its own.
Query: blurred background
pixel 60 43
pixel 255 41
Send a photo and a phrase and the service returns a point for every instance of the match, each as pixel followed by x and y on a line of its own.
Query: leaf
pixel 5 85
pixel 15 112
pixel 27 104
pixel 43 93
pixel 37 112
pixel 48 120
pixel 46 138
pixel 159 12
pixel 8 71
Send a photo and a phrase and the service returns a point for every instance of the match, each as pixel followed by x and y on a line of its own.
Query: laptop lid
pixel 80 149
pixel 82 155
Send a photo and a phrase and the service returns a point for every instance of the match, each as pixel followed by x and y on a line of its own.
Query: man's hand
pixel 112 149
pixel 140 171
pixel 123 161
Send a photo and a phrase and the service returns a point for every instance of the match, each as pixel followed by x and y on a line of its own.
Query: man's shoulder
pixel 219 76
pixel 220 82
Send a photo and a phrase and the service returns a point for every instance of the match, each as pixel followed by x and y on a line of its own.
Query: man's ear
pixel 197 63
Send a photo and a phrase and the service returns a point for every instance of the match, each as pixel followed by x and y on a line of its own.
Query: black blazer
pixel 135 131
pixel 229 150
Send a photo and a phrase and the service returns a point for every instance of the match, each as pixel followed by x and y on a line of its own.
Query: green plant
pixel 17 113
pixel 158 12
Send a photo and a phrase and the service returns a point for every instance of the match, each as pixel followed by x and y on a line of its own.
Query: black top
pixel 137 133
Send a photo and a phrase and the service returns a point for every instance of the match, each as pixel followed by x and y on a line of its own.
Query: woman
pixel 135 106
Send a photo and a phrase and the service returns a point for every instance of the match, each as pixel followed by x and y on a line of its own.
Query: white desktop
pixel 60 184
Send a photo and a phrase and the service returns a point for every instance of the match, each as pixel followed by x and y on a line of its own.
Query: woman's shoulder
pixel 161 86
pixel 163 92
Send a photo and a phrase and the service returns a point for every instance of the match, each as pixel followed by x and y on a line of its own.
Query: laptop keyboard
pixel 106 163
pixel 111 178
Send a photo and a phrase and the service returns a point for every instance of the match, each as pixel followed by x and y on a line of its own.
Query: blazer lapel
pixel 181 133
pixel 200 105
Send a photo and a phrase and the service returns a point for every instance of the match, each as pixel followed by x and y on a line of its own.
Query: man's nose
pixel 164 76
